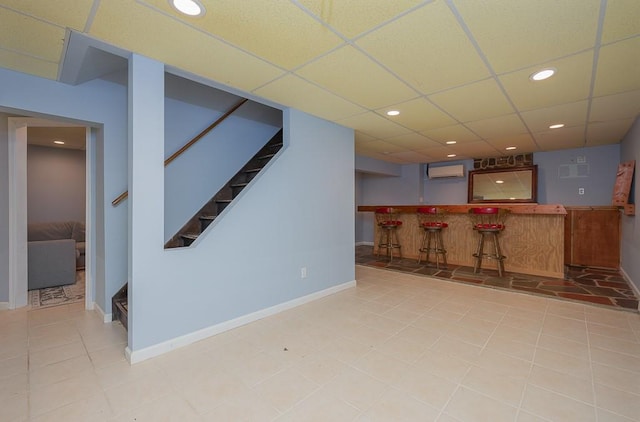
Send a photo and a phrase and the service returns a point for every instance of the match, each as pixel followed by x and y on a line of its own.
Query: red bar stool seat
pixel 488 222
pixel 431 221
pixel 388 225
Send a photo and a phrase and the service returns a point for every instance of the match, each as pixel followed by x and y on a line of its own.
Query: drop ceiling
pixel 457 70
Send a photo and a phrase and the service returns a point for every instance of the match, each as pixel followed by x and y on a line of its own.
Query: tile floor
pixel 592 285
pixel 398 347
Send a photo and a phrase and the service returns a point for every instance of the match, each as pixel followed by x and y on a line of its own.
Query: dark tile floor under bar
pixel 593 285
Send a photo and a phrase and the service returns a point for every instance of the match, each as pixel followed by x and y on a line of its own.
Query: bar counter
pixel 533 240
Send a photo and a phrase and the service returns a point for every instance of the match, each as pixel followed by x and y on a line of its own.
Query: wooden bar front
pixel 533 240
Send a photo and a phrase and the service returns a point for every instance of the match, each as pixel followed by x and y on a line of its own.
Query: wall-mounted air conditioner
pixel 456 170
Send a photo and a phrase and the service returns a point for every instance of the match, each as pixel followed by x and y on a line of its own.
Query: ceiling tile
pixel 517 34
pixel 498 126
pixel 414 47
pixel 348 18
pixel 571 83
pixel 472 102
pixel 479 149
pixel 618 68
pixel 29 36
pixel 363 137
pixel 381 147
pixel 412 141
pixel 28 64
pixel 64 13
pixel 342 72
pixel 457 133
pixel 419 114
pixel 524 142
pixel 278 31
pixel 410 157
pixel 568 137
pixel 438 154
pixel 571 114
pixel 372 124
pixel 293 91
pixel 164 38
pixel 614 107
pixel 621 20
pixel 606 133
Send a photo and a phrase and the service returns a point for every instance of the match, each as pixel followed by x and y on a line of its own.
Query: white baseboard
pixel 365 243
pixel 636 289
pixel 4 306
pixel 104 317
pixel 136 356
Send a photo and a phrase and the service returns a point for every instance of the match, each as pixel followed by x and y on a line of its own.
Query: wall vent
pixel 456 170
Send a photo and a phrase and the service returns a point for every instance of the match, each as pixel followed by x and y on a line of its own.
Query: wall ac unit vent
pixel 446 171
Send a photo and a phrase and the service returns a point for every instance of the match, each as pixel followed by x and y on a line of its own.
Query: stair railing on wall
pixel 186 146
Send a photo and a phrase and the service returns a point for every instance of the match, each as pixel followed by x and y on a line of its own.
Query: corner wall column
pixel 146 185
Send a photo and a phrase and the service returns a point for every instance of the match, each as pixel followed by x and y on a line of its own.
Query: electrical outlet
pixel 580 191
pixel 303 272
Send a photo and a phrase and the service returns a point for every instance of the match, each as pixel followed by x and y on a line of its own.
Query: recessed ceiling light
pixel 58 142
pixel 451 142
pixel 393 113
pixel 510 148
pixel 512 198
pixel 543 74
pixel 188 7
pixel 556 126
pixel 451 155
pixel 499 182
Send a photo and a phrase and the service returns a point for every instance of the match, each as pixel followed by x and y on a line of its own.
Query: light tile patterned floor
pixel 397 347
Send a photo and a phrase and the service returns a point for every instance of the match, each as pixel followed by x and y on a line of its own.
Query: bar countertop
pixel 552 209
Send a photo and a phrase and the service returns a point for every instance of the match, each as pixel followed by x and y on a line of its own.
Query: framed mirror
pixel 511 185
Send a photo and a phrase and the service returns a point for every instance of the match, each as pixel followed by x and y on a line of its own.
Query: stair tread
pixel 239 185
pixel 207 217
pixel 262 157
pixel 190 235
pixel 224 201
pixel 253 170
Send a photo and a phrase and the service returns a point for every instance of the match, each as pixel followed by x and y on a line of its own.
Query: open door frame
pixel 18 276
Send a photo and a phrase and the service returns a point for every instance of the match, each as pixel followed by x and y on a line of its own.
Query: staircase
pixel 120 306
pixel 212 209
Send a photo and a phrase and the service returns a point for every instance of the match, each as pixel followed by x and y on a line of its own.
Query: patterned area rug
pixel 59 295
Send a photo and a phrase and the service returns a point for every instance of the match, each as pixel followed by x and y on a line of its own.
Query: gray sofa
pixel 55 251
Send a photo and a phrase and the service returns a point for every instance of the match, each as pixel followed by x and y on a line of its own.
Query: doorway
pixel 18 210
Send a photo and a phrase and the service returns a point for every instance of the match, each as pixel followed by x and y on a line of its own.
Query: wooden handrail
pixel 188 145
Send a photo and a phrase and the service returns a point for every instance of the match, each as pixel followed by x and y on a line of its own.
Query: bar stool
pixel 431 220
pixel 488 222
pixel 388 224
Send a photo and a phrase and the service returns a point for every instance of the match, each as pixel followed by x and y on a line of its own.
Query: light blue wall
pixel 103 105
pixel 598 184
pixel 630 264
pixel 374 189
pixel 448 190
pixel 297 214
pixel 4 208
